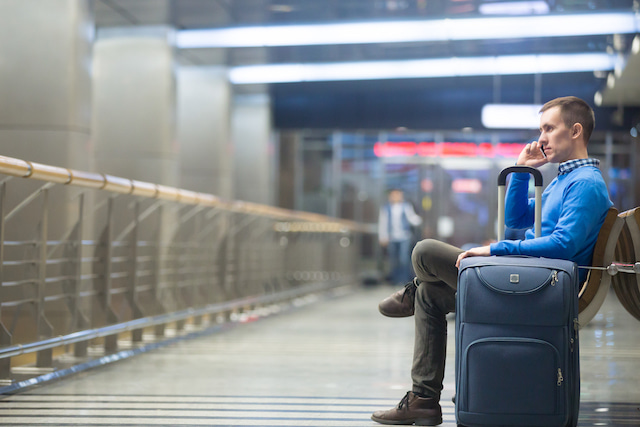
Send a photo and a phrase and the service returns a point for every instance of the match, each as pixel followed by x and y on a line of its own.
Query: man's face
pixel 396 196
pixel 555 137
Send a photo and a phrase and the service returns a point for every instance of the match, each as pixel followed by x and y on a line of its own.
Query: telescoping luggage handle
pixel 502 183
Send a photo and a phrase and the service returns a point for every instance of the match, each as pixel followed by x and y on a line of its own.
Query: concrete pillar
pixel 204 130
pixel 134 105
pixel 289 146
pixel 45 89
pixel 45 117
pixel 254 151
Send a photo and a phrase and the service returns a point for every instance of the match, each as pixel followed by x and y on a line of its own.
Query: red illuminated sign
pixel 446 149
pixel 466 186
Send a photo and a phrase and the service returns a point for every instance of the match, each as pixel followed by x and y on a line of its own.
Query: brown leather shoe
pixel 400 303
pixel 412 409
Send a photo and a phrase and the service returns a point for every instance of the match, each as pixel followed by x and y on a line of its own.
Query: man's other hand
pixel 479 251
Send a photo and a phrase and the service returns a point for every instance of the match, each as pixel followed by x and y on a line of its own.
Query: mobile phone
pixel 543 153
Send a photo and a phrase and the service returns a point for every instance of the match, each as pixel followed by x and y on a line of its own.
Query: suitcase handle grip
pixel 537 175
pixel 502 181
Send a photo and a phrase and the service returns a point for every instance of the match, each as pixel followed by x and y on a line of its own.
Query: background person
pixel 394 233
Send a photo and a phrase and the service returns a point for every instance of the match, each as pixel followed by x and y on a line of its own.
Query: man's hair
pixel 574 110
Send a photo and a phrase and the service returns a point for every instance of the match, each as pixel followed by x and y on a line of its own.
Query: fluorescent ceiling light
pixel 597 98
pixel 423 68
pixel 514 8
pixel 413 31
pixel 511 116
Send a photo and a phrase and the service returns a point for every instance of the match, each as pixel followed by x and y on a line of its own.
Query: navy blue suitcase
pixel 517 353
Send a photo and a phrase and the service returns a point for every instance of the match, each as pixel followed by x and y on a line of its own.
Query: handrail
pixel 99 265
pixel 26 169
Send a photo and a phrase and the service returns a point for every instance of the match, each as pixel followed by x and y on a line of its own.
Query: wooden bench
pixel 596 287
pixel 627 286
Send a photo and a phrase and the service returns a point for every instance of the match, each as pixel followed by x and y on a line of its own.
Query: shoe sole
pixel 428 422
pixel 410 422
pixel 393 315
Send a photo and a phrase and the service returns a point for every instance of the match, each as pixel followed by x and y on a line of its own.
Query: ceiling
pixel 448 102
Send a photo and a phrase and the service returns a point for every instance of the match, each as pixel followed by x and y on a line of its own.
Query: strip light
pixel 514 8
pixel 413 31
pixel 423 68
pixel 511 116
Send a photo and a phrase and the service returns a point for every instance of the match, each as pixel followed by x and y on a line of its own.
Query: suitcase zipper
pixel 560 378
pixel 552 279
pixel 575 333
pixel 490 263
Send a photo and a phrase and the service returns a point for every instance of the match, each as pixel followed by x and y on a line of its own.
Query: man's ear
pixel 576 130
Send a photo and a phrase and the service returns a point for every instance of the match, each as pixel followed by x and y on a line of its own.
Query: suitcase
pixel 517 353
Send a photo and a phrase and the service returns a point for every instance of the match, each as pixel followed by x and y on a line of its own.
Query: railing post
pixel 190 276
pixel 132 285
pixel 157 274
pixel 177 250
pixel 237 267
pixel 111 341
pixel 223 256
pixel 211 239
pixel 44 358
pixel 198 280
pixel 5 336
pixel 79 321
pixel 263 254
pixel 241 268
pixel 277 268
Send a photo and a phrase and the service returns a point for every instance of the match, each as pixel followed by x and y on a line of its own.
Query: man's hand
pixel 532 155
pixel 479 251
pixel 384 243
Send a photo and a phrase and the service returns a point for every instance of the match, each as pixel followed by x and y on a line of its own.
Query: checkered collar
pixel 571 165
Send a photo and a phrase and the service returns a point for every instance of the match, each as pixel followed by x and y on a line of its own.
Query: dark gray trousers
pixel 435 265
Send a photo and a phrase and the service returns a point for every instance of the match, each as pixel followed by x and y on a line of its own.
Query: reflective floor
pixel 329 363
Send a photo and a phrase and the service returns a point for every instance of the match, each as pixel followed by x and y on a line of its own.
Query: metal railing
pixel 86 258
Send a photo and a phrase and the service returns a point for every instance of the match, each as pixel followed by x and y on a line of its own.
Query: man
pixel 394 233
pixel 574 206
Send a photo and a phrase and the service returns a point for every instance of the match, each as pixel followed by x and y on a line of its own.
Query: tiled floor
pixel 330 363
